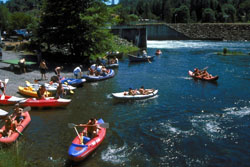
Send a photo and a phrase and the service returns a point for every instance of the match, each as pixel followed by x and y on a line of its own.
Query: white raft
pixel 125 96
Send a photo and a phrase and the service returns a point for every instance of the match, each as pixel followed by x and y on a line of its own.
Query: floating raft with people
pixel 74 82
pixel 9 100
pixel 93 78
pixel 43 103
pixel 126 96
pixel 212 78
pixel 50 87
pixel 133 58
pixel 29 91
pixel 19 129
pixel 15 63
pixel 78 151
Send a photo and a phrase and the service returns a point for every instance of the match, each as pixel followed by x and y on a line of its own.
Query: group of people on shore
pixel 12 121
pixel 141 91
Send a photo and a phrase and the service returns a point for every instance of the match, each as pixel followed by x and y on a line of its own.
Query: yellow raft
pixel 28 91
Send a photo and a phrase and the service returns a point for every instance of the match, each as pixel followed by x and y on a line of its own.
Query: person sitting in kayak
pixel 78 71
pixel 92 69
pixel 10 127
pixel 41 93
pixel 196 72
pixel 145 91
pixel 91 128
pixel 105 71
pixel 131 92
pixel 59 91
pixel 98 70
pixel 18 114
pixel 2 86
pixel 205 74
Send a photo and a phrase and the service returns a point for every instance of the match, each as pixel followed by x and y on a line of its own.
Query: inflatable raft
pixel 74 82
pixel 93 78
pixel 29 91
pixel 126 96
pixel 133 58
pixel 48 102
pixel 50 87
pixel 20 128
pixel 78 152
pixel 10 100
pixel 213 78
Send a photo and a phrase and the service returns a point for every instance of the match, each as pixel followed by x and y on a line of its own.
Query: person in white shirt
pixel 78 71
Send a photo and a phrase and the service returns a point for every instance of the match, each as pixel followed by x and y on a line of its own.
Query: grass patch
pixel 227 52
pixel 10 156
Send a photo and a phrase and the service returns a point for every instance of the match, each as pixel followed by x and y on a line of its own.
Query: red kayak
pixel 10 100
pixel 20 128
pixel 78 152
pixel 48 102
pixel 213 78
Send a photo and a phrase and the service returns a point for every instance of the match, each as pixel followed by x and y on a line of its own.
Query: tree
pixel 4 17
pixel 229 12
pixel 80 25
pixel 19 20
pixel 182 14
pixel 244 10
pixel 208 16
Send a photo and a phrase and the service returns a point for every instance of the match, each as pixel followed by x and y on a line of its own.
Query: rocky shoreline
pixel 216 31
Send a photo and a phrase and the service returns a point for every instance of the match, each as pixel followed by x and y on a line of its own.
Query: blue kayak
pixel 74 82
pixel 93 78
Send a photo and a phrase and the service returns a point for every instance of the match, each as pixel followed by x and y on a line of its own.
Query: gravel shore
pixel 18 79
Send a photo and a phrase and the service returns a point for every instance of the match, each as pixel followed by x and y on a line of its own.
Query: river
pixel 189 123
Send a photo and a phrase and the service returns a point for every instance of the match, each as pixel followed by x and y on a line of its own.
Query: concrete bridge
pixel 140 33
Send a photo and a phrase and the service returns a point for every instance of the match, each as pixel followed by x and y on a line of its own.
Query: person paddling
pixel 18 114
pixel 10 127
pixel 91 128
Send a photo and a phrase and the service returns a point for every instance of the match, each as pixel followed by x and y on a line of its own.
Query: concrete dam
pixel 139 34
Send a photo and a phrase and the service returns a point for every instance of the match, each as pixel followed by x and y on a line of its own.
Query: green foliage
pixel 208 16
pixel 11 157
pixel 229 12
pixel 19 20
pixel 4 17
pixel 182 14
pixel 81 26
pixel 164 10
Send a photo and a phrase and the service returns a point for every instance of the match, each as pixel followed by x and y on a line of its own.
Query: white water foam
pixel 116 154
pixel 186 78
pixel 243 111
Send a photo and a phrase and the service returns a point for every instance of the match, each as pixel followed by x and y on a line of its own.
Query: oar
pixel 3 95
pixel 103 125
pixel 205 68
pixel 71 91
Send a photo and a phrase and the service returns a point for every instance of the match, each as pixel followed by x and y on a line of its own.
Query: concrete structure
pixel 135 34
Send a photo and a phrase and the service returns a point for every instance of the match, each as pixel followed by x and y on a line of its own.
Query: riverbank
pixel 216 31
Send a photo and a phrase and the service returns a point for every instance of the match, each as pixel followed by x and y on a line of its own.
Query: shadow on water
pixel 205 83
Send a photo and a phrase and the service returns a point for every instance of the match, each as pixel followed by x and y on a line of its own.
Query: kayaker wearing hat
pixel 18 113
pixel 2 86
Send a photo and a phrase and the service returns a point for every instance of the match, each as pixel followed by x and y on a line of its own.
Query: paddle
pixel 3 95
pixel 149 60
pixel 71 91
pixel 103 125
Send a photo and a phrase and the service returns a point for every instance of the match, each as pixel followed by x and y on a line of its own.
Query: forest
pixel 82 26
pixel 186 11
